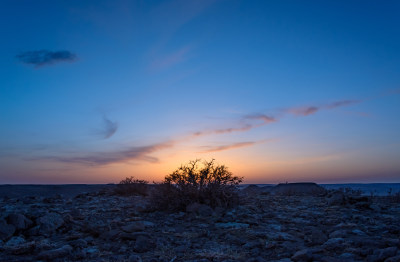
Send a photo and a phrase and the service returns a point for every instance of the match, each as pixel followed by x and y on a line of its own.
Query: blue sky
pixel 278 91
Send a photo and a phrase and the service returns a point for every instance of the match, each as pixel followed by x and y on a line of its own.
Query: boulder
pixel 6 230
pixel 143 244
pixel 55 253
pixel 302 255
pixel 318 237
pixel 17 246
pixel 386 253
pixel 134 258
pixel 336 198
pixel 15 241
pixel 134 227
pixel 19 221
pixel 49 223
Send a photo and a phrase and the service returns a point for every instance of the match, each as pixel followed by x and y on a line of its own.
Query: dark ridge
pixel 299 189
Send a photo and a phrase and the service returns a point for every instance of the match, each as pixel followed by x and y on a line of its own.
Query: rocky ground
pixel 101 226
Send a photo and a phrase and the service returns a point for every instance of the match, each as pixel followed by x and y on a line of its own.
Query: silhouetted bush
pixel 132 186
pixel 209 184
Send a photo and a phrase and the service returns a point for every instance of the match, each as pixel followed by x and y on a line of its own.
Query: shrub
pixel 209 184
pixel 132 186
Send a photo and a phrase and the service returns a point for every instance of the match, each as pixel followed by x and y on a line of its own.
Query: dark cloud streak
pixel 45 57
pixel 105 158
pixel 110 128
pixel 310 110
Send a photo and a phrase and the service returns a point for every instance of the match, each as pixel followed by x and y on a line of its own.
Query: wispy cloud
pixel 109 128
pixel 171 59
pixel 222 131
pixel 184 12
pixel 166 26
pixel 304 111
pixel 104 158
pixel 146 153
pixel 264 118
pixel 210 149
pixel 341 103
pixel 309 110
pixel 253 121
pixel 45 57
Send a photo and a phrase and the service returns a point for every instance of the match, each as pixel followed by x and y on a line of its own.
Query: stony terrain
pixel 102 226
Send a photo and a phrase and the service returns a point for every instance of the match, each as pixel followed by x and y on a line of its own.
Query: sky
pixel 278 91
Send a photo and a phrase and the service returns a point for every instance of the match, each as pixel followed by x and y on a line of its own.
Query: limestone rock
pixel 55 253
pixel 19 221
pixel 6 230
pixel 49 223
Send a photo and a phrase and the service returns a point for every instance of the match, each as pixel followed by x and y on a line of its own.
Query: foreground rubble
pixel 264 227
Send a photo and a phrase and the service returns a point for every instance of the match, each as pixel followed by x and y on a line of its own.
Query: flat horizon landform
pixel 284 222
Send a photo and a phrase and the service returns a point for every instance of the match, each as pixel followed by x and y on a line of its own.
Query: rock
pixel 148 224
pixel 298 189
pixel 181 249
pixel 262 228
pixel 253 244
pixel 232 225
pixel 134 227
pixel 302 255
pixel 347 257
pixel 34 231
pixel 15 241
pixel 49 223
pixel 77 214
pixel 111 234
pixel 18 246
pixel 336 199
pixel 199 209
pixel 375 208
pixel 256 259
pixel 133 235
pixel 318 237
pixel 6 230
pixel 393 259
pixel 270 244
pixel 386 253
pixel 338 234
pixel 134 258
pixel 92 251
pixel 358 232
pixel 79 243
pixel 281 236
pixel 55 253
pixel 19 221
pixel 333 244
pixel 143 244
